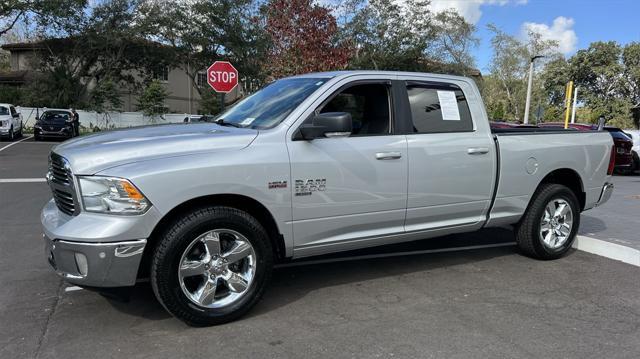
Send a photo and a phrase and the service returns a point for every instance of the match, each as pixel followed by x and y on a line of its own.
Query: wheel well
pixel 569 178
pixel 244 203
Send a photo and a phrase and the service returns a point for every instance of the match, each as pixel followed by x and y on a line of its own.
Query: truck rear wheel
pixel 212 265
pixel 550 224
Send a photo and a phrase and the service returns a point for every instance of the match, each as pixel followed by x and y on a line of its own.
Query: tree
pixel 151 101
pixel 455 38
pixel 46 12
pixel 510 67
pixel 105 98
pixel 209 102
pixel 600 73
pixel 387 35
pixel 303 38
pixel 631 62
pixel 198 32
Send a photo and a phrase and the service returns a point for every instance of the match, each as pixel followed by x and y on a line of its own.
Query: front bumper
pixel 64 132
pixel 96 264
pixel 96 250
pixel 607 190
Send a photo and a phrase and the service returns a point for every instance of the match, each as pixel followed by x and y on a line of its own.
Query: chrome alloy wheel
pixel 556 223
pixel 217 268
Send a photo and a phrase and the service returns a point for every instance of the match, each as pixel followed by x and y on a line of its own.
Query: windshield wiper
pixel 222 122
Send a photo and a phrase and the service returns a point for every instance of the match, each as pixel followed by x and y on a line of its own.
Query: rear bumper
pixel 607 190
pixel 95 264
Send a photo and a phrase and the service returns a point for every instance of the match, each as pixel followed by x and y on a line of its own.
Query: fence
pixel 104 121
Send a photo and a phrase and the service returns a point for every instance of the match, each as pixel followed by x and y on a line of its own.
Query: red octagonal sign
pixel 222 76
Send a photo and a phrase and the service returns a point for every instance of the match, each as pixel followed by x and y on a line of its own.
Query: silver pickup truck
pixel 308 165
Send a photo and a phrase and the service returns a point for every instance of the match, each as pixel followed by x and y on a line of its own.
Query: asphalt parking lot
pixel 431 303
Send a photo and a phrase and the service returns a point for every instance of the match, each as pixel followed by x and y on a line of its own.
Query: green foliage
pixel 385 38
pixel 151 101
pixel 209 102
pixel 507 83
pixel 11 94
pixel 46 12
pixel 105 97
pixel 55 88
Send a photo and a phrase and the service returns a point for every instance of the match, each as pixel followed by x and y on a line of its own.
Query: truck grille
pixel 60 180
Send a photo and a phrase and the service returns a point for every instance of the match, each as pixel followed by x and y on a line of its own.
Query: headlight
pixel 4 123
pixel 111 195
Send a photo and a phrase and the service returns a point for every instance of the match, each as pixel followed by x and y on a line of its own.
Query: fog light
pixel 81 263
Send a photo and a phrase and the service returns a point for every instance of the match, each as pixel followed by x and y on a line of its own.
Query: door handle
pixel 478 150
pixel 388 155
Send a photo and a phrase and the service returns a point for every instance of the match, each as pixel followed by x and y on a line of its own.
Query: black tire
pixel 636 163
pixel 20 132
pixel 176 239
pixel 527 231
pixel 11 135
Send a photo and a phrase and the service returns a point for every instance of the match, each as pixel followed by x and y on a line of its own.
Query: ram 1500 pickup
pixel 309 165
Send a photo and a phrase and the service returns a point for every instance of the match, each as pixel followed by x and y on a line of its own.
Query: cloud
pixel 560 30
pixel 470 9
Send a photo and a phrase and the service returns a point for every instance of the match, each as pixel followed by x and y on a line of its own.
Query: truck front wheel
pixel 211 265
pixel 550 224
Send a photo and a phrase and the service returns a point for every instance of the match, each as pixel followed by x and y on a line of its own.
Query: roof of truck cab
pixel 345 73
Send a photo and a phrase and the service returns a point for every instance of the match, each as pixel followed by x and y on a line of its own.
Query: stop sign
pixel 222 76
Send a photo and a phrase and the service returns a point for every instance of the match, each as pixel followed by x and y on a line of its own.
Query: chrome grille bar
pixel 60 180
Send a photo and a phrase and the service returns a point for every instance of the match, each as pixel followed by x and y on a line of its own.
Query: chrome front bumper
pixel 96 250
pixel 95 264
pixel 607 190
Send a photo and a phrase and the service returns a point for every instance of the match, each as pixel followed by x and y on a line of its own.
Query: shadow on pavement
pixel 299 278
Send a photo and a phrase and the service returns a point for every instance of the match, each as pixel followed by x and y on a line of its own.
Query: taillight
pixel 612 161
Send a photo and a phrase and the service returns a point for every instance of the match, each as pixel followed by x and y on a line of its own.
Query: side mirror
pixel 329 124
pixel 37 118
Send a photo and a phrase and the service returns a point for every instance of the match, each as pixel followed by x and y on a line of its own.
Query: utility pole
pixel 573 110
pixel 529 85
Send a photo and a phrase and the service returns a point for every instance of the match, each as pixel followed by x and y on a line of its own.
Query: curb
pixel 607 249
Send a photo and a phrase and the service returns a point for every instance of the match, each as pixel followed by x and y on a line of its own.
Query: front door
pixel 350 189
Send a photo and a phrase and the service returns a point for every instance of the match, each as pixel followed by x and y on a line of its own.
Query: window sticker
pixel 448 105
pixel 247 121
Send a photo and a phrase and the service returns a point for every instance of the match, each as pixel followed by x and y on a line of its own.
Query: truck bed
pixel 527 155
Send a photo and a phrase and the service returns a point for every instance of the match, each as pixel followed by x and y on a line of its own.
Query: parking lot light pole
pixel 529 85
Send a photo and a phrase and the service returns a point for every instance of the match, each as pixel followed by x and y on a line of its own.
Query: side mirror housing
pixel 329 124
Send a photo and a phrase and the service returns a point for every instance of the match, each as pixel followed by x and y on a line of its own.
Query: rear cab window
pixel 438 108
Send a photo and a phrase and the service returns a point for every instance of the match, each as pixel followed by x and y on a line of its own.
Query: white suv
pixel 635 150
pixel 10 122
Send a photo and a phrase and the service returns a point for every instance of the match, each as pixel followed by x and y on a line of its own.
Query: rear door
pixel 452 159
pixel 351 189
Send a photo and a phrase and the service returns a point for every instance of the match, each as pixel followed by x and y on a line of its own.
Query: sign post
pixel 223 78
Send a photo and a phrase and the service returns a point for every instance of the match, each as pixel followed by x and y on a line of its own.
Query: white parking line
pixel 13 143
pixel 22 180
pixel 609 250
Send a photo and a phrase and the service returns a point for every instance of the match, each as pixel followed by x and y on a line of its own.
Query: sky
pixel 573 23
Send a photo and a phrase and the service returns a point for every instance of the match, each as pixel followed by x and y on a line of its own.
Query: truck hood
pixel 94 153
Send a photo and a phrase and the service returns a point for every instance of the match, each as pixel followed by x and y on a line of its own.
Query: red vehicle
pixel 622 142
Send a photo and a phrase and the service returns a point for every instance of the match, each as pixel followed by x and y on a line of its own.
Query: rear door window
pixel 438 108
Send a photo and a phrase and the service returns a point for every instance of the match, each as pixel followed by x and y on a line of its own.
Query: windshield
pixel 271 105
pixel 55 116
pixel 4 111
